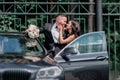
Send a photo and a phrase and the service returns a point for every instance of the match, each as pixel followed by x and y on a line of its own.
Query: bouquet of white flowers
pixel 33 31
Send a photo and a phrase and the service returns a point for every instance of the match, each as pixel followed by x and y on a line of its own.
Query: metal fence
pixel 15 15
pixel 24 13
pixel 111 21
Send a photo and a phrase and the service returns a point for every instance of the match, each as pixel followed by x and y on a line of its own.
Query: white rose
pixel 33 31
pixel 31 35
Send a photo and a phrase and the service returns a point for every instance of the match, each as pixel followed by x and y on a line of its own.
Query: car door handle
pixel 101 58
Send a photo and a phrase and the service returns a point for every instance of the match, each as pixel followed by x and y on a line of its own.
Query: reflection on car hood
pixel 25 60
pixel 31 65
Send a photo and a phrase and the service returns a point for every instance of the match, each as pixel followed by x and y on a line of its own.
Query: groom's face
pixel 62 20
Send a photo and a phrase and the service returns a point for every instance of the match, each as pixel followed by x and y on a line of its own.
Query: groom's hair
pixel 62 15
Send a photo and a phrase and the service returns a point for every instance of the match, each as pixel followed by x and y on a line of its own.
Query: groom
pixel 51 33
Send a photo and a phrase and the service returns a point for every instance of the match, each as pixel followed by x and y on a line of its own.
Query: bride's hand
pixel 60 27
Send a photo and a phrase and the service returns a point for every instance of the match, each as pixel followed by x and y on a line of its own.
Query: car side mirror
pixel 68 51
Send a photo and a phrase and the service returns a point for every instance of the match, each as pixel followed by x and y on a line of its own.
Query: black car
pixel 22 58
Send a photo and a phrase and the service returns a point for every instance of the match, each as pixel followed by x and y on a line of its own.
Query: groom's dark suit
pixel 49 42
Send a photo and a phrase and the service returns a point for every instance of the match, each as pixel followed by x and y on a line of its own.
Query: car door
pixel 85 58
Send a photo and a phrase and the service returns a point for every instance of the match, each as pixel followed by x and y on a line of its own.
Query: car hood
pixel 23 62
pixel 28 66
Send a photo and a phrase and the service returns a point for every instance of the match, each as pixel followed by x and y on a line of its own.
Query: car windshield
pixel 19 45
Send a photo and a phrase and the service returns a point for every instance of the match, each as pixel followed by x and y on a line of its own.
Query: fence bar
pixel 48 3
pixel 7 13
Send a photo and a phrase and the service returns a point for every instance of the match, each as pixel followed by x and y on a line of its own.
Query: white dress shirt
pixel 55 33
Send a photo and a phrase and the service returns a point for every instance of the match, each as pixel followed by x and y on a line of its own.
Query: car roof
pixel 13 33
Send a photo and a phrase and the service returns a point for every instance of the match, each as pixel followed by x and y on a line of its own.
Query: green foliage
pixel 116 49
pixel 113 39
pixel 110 0
pixel 32 21
pixel 112 29
pixel 6 22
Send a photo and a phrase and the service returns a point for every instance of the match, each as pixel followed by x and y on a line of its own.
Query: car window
pixel 93 42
